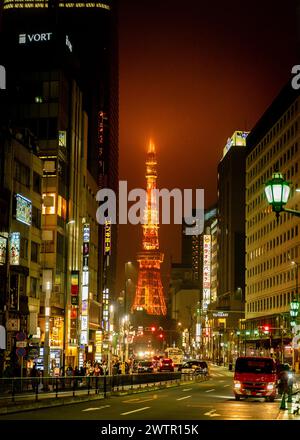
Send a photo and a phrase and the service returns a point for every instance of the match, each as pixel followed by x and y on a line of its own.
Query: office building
pixel 272 248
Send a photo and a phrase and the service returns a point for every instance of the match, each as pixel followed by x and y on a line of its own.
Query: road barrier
pixel 29 389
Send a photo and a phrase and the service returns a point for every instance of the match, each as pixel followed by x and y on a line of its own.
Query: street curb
pixel 48 404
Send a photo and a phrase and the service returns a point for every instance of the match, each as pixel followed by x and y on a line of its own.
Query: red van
pixel 255 377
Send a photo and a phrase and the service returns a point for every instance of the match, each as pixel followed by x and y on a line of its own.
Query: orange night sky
pixel 190 75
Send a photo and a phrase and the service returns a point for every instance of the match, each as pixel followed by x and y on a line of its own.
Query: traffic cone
pixel 283 404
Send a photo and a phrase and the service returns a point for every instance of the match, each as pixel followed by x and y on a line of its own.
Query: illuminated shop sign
pixel 84 335
pixel 23 209
pixel 2 78
pixel 34 38
pixel 107 237
pixel 105 302
pixel 38 4
pixel 14 249
pixel 206 270
pixel 238 138
pixel 220 315
pixel 98 343
pixel 69 44
pixel 3 244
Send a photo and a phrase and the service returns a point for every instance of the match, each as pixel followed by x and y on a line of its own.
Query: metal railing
pixel 29 389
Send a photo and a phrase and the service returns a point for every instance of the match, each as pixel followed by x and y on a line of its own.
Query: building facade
pixel 63 87
pixel 272 248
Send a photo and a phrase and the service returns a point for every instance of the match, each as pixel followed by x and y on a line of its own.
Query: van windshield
pixel 255 365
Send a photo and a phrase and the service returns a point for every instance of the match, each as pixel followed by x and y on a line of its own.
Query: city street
pixel 208 400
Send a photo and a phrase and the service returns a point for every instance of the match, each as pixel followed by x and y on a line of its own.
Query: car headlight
pixel 270 386
pixel 237 384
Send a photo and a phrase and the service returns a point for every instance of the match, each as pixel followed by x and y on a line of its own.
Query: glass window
pixel 37 183
pixel 34 252
pixel 36 217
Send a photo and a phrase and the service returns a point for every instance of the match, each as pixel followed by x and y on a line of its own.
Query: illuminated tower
pixel 149 295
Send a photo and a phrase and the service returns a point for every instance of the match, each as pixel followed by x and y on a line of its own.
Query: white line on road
pixel 187 389
pixel 221 380
pixel 94 409
pixel 212 413
pixel 209 391
pixel 186 397
pixel 135 410
pixel 226 386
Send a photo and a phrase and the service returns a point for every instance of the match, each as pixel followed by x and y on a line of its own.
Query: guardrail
pixel 39 388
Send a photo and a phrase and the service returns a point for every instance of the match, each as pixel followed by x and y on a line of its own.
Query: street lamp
pixel 277 191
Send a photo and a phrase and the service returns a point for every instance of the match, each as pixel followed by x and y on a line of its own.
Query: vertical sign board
pixel 206 270
pixel 3 244
pixel 14 249
pixel 107 237
pixel 74 303
pixel 99 341
pixel 84 331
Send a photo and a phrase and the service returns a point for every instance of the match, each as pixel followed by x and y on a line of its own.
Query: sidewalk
pixel 47 401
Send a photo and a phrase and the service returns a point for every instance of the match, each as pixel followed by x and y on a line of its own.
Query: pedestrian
pixel 34 374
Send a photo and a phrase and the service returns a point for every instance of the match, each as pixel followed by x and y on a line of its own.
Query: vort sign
pixel 30 38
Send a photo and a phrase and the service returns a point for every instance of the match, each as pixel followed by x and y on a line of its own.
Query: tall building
pixel 149 294
pixel 231 216
pixel 61 60
pixel 272 248
pixel 20 236
pixel 224 274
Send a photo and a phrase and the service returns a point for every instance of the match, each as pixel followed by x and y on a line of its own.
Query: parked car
pixel 195 367
pixel 166 365
pixel 145 367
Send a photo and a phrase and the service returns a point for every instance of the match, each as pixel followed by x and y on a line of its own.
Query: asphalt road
pixel 209 400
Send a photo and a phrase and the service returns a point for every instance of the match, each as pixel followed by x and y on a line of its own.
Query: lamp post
pixel 277 191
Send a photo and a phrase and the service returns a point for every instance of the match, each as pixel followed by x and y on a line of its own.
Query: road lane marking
pixel 221 380
pixel 209 391
pixel 95 409
pixel 187 389
pixel 135 410
pixel 212 413
pixel 186 397
pixel 226 386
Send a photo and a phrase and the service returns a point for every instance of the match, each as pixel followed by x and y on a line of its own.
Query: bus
pixel 176 354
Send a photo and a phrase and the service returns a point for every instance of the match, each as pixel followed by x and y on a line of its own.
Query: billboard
pixel 23 209
pixel 3 250
pixel 238 138
pixel 206 270
pixel 14 249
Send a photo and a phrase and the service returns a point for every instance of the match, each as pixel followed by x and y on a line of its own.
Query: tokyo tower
pixel 149 295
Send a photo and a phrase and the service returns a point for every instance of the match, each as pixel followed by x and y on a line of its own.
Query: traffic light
pixel 161 335
pixel 153 328
pixel 266 328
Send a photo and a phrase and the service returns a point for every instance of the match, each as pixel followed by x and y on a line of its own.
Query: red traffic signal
pixel 153 328
pixel 161 335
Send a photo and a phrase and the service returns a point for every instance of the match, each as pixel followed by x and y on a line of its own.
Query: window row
pixel 273 302
pixel 288 115
pixel 270 282
pixel 280 239
pixel 285 257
